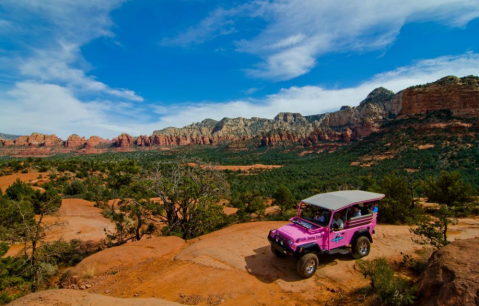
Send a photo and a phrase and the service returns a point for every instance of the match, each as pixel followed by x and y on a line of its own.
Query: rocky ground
pixel 233 266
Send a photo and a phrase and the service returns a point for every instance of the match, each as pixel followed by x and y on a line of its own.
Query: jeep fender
pixel 311 247
pixel 363 232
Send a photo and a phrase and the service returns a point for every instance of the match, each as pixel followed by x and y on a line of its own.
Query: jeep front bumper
pixel 281 245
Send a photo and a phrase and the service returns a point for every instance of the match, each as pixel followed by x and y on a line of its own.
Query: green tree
pixel 75 188
pixel 190 196
pixel 249 202
pixel 284 199
pixel 398 206
pixel 449 189
pixel 453 195
pixel 388 289
pixel 19 190
pixel 188 203
pixel 138 214
pixel 368 183
pixel 434 231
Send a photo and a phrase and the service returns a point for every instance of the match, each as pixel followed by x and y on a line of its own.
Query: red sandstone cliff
pixel 459 95
pixel 75 141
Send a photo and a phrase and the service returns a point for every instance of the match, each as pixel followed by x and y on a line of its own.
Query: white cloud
pixel 49 35
pixel 298 32
pixel 218 22
pixel 49 108
pixel 310 100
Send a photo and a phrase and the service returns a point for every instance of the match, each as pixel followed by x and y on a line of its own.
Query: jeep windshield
pixel 313 215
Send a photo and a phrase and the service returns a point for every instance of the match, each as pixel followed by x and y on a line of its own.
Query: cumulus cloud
pixel 50 108
pixel 48 36
pixel 310 100
pixel 298 32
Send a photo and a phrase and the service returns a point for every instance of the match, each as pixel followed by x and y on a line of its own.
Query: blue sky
pixel 98 67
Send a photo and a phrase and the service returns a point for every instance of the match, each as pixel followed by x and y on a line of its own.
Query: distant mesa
pixel 460 96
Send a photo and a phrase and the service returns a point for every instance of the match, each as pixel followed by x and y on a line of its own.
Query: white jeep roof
pixel 340 199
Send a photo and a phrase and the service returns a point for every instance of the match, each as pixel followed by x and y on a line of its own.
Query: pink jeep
pixel 329 223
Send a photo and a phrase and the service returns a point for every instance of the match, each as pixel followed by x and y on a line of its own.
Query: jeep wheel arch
pixel 361 233
pixel 312 247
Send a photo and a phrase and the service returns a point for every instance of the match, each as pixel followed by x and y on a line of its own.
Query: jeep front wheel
pixel 307 265
pixel 277 253
pixel 362 247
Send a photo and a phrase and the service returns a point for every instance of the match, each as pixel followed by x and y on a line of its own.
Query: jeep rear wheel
pixel 361 247
pixel 307 265
pixel 277 253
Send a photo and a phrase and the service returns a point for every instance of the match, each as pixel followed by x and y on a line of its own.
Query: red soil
pixel 30 177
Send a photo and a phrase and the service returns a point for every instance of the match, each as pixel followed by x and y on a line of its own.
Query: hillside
pixel 460 96
pixel 8 137
pixel 233 266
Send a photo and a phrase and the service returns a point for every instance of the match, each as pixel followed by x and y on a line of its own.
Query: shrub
pixel 249 202
pixel 19 190
pixel 284 199
pixel 389 289
pixel 75 188
pixel 398 207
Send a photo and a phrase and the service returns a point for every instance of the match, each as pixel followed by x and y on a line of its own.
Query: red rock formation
pixel 95 141
pixel 7 143
pixel 36 140
pixel 124 141
pixel 452 275
pixel 143 141
pixel 460 95
pixel 75 141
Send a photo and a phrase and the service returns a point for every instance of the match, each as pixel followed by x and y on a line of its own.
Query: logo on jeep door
pixel 337 238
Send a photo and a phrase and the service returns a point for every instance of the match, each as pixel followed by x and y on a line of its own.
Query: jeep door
pixel 338 238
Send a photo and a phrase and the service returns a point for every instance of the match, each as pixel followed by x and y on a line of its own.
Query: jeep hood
pixel 296 231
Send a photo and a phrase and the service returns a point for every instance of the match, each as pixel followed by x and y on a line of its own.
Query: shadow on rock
pixel 268 268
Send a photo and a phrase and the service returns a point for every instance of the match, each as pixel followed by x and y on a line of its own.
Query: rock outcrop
pixel 143 141
pixel 452 275
pixel 75 141
pixel 95 141
pixel 123 141
pixel 459 95
pixel 37 140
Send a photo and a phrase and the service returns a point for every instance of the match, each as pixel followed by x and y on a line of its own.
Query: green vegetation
pixel 454 197
pixel 249 202
pixel 284 199
pixel 159 195
pixel 387 288
pixel 23 212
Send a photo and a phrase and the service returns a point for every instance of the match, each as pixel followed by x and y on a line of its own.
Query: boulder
pixel 452 275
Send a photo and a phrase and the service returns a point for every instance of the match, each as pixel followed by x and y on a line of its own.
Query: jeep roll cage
pixel 336 201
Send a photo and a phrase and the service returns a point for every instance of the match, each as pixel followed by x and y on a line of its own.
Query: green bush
pixel 388 289
pixel 249 202
pixel 19 190
pixel 75 188
pixel 284 199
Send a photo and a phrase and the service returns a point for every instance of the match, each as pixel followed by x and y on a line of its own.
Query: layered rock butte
pixel 459 95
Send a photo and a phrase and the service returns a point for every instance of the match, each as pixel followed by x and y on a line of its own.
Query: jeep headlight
pixel 290 241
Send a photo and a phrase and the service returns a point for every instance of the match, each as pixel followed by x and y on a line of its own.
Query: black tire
pixel 277 253
pixel 361 247
pixel 307 265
